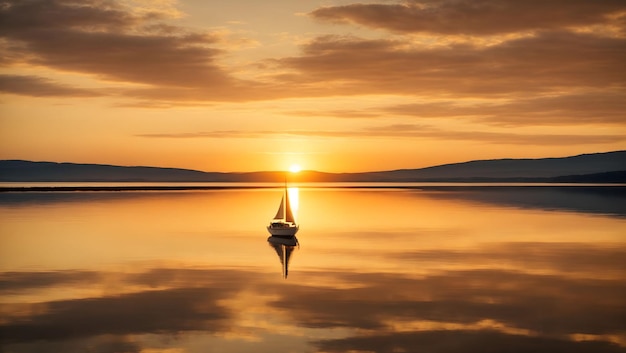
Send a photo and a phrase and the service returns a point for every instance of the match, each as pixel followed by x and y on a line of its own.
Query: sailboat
pixel 283 224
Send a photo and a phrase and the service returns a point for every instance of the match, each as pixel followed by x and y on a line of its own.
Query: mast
pixel 285 262
pixel 288 214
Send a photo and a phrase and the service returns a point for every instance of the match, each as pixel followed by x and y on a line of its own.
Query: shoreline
pixel 119 188
pixel 235 186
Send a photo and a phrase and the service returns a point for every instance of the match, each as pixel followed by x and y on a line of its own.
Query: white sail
pixel 281 210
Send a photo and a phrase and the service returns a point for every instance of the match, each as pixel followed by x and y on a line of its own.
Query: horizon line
pixel 308 170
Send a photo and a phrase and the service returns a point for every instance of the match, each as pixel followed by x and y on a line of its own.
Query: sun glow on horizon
pixel 295 168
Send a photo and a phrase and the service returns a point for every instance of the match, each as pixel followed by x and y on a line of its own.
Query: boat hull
pixel 283 231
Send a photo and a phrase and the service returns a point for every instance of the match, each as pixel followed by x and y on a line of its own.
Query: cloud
pixel 447 341
pixel 102 344
pixel 209 134
pixel 591 107
pixel 170 65
pixel 406 131
pixel 340 113
pixel 112 42
pixel 35 86
pixel 88 15
pixel 595 107
pixel 546 62
pixel 473 17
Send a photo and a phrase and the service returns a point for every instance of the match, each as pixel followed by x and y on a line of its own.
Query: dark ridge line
pixel 467 186
pixel 120 188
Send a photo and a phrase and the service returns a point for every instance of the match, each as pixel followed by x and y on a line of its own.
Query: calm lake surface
pixel 420 269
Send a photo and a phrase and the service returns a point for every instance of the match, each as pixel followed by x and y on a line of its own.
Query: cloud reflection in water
pixel 384 311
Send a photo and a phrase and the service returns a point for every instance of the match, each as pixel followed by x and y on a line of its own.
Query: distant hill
pixel 26 171
pixel 543 169
pixel 596 167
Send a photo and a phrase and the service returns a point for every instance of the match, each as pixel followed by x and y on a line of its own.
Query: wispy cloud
pixel 475 17
pixel 41 87
pixel 547 62
pixel 594 107
pixel 412 131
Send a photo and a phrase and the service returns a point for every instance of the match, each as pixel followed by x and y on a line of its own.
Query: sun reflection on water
pixel 294 199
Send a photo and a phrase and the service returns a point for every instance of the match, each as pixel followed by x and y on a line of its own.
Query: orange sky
pixel 332 85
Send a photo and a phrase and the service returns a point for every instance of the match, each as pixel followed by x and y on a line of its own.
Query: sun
pixel 294 168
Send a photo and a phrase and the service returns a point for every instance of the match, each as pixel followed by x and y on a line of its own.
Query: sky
pixel 331 85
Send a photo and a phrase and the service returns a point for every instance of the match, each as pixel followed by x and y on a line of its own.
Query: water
pixel 427 268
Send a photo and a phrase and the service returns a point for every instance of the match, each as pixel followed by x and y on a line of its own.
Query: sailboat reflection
pixel 284 247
